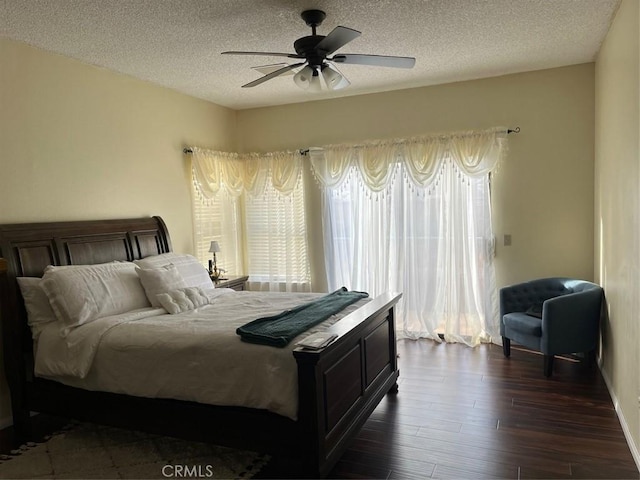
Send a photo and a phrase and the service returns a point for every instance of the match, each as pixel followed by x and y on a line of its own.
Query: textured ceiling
pixel 177 43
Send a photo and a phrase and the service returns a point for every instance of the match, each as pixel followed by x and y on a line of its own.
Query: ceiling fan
pixel 316 51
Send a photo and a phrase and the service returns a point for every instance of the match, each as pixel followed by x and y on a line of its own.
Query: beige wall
pixel 617 210
pixel 79 142
pixel 542 194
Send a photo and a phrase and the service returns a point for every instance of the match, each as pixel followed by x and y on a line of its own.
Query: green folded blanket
pixel 279 330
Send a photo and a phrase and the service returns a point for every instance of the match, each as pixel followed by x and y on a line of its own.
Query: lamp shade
pixel 214 247
pixel 333 78
pixel 303 78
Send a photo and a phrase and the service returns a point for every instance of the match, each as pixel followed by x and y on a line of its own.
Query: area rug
pixel 84 451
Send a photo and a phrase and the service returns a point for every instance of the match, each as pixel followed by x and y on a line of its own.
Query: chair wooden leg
pixel 548 365
pixel 506 346
pixel 590 359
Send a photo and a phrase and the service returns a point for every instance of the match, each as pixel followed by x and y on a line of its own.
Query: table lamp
pixel 213 268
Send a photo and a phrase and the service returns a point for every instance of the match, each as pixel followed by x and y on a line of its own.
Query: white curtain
pixel 265 195
pixel 414 216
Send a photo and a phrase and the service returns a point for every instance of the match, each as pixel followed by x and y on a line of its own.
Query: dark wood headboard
pixel 25 251
pixel 30 247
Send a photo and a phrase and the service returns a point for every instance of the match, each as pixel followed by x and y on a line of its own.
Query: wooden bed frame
pixel 338 389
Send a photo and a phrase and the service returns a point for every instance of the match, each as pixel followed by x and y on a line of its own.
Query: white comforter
pixel 195 355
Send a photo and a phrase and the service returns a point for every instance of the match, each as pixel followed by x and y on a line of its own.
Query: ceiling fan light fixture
pixel 303 78
pixel 334 78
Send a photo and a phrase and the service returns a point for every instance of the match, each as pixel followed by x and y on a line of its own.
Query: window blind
pixel 276 240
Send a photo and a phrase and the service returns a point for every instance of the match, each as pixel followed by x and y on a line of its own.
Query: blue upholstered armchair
pixel 552 316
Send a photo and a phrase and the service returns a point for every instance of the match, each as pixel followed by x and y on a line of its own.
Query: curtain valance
pixel 474 153
pixel 237 173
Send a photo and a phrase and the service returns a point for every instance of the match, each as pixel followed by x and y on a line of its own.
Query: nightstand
pixel 234 282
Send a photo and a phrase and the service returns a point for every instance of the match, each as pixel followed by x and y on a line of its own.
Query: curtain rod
pixel 509 131
pixel 188 150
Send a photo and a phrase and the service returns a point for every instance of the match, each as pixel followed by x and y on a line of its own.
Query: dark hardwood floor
pixel 468 413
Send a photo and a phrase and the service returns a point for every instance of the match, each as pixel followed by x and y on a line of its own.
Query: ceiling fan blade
pixel 271 75
pixel 267 69
pixel 267 54
pixel 375 60
pixel 338 37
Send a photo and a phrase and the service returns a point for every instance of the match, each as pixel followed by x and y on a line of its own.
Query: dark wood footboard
pixel 339 386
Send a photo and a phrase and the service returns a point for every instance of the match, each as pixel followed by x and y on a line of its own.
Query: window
pixel 253 205
pixel 276 240
pixel 218 219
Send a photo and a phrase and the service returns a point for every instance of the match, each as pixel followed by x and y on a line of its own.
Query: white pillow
pixel 183 299
pixel 160 280
pixel 82 293
pixel 192 271
pixel 36 302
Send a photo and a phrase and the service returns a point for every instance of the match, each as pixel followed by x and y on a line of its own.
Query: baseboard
pixel 623 422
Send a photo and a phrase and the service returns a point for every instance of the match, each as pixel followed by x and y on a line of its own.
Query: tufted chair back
pixel 520 297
